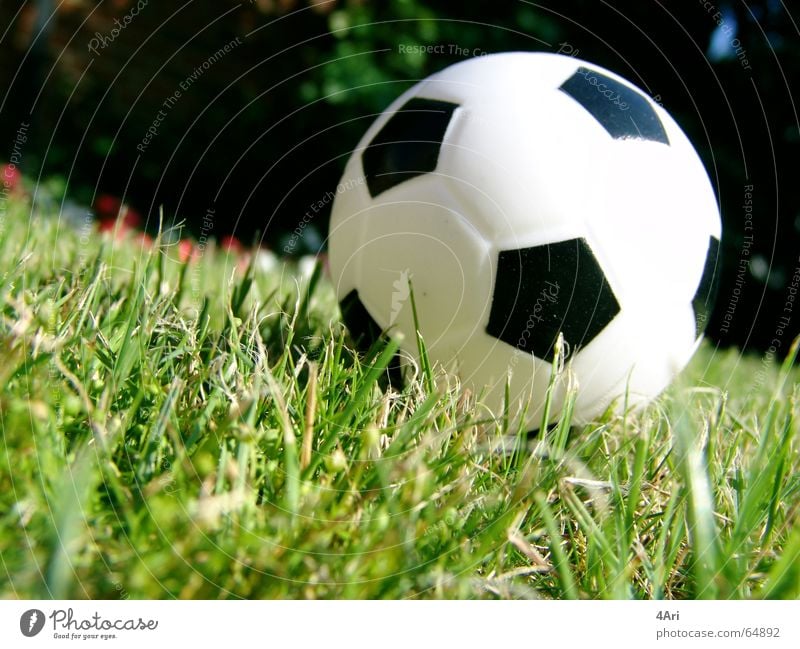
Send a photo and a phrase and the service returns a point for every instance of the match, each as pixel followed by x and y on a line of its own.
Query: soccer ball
pixel 519 196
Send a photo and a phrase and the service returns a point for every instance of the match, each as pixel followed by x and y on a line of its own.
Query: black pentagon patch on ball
pixel 362 326
pixel 706 294
pixel 408 144
pixel 622 111
pixel 365 332
pixel 542 290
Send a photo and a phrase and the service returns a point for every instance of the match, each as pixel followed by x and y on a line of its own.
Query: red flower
pixel 106 225
pixel 231 244
pixel 187 251
pixel 130 217
pixel 107 206
pixel 115 216
pixel 11 177
pixel 144 240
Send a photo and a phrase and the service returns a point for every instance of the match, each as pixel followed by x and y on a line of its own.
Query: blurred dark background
pixel 275 93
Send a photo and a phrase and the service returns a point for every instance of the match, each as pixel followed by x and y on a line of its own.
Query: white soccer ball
pixel 521 195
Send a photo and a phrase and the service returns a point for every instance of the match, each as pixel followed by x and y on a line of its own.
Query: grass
pixel 198 431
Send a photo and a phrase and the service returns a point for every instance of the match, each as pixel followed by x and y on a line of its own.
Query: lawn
pixel 203 429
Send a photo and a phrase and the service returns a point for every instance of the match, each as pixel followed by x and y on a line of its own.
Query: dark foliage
pixel 261 132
